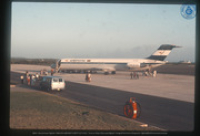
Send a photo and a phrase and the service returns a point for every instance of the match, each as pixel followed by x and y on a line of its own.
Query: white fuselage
pixel 107 65
pixel 112 65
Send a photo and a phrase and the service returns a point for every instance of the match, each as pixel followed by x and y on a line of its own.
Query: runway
pixel 169 114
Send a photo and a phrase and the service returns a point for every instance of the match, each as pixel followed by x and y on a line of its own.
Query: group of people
pixel 134 75
pixel 30 79
pixel 146 73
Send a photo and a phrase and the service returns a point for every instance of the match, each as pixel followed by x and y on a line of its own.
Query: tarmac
pixel 172 86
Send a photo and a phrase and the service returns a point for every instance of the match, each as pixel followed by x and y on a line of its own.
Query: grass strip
pixel 39 110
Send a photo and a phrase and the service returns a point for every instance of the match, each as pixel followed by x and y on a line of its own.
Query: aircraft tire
pixel 113 72
pixel 49 89
pixel 106 73
pixel 40 87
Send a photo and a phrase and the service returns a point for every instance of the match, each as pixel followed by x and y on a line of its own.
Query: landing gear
pixel 106 73
pixel 113 72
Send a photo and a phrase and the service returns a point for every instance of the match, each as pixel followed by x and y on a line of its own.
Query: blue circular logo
pixel 188 11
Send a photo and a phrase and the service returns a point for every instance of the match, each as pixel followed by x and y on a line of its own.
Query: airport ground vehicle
pixel 52 83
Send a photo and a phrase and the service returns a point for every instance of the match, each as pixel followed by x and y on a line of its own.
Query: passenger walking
pixel 33 80
pixel 136 75
pixel 26 77
pixel 37 76
pixel 28 80
pixel 88 77
pixel 146 73
pixel 41 72
pixel 154 73
pixel 131 75
pixel 52 72
pixel 26 74
pixel 22 79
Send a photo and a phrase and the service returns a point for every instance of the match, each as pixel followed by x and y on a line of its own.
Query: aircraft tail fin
pixel 162 52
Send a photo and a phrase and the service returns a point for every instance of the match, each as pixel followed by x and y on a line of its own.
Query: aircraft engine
pixel 143 65
pixel 133 65
pixel 136 65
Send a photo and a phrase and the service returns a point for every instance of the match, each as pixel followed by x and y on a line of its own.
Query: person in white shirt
pixel 22 79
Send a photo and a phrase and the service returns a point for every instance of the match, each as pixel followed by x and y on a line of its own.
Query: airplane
pixel 113 65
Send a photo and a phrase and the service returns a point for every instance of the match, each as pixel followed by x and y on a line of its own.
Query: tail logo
pixel 161 52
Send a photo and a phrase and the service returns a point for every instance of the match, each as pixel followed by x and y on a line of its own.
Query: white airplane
pixel 113 65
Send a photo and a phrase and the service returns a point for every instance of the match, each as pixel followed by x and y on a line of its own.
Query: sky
pixel 100 30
